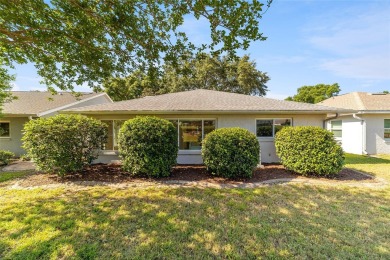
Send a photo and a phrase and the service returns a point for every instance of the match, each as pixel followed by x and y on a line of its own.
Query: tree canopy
pixel 5 85
pixel 315 94
pixel 77 42
pixel 201 72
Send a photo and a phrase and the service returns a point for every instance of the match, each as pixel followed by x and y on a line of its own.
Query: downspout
pixel 363 123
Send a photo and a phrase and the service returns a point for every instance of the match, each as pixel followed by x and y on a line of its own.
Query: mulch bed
pixel 114 174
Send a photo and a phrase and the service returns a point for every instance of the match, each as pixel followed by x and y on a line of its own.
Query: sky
pixel 308 43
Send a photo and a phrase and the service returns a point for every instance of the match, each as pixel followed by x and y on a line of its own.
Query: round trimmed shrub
pixel 5 157
pixel 148 146
pixel 309 150
pixel 63 144
pixel 231 152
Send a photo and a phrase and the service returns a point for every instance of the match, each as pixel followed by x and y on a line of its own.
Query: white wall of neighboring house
pixel 361 137
pixel 267 145
pixel 375 141
pixel 352 134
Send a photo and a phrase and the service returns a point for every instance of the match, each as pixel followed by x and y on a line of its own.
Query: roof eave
pixel 205 112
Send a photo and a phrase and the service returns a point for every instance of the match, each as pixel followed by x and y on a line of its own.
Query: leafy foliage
pixel 202 72
pixel 5 84
pixel 309 150
pixel 231 152
pixel 148 146
pixel 5 157
pixel 76 42
pixel 64 143
pixel 315 94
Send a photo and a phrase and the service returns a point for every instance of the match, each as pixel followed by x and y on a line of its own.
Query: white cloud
pixel 357 44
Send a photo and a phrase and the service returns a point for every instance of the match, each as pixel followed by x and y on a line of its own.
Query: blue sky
pixel 309 42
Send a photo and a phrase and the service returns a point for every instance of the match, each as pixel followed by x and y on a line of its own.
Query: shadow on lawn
pixel 289 221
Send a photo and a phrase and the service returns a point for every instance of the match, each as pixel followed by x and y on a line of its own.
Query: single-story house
pixel 367 131
pixel 34 104
pixel 198 112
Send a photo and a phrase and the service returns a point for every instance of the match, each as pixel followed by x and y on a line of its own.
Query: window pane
pixel 264 128
pixel 337 133
pixel 4 129
pixel 387 123
pixel 190 134
pixel 280 123
pixel 174 122
pixel 209 126
pixel 336 124
pixel 109 145
pixel 117 126
pixel 387 133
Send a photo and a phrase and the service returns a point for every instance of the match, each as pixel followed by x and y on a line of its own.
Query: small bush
pixel 5 157
pixel 63 143
pixel 231 152
pixel 309 150
pixel 148 146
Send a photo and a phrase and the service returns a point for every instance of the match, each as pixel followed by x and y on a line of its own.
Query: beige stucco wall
pixel 268 153
pixel 14 142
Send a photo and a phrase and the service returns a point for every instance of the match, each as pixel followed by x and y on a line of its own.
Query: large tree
pixel 5 86
pixel 315 94
pixel 202 72
pixel 87 41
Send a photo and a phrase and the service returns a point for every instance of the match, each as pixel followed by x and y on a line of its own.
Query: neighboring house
pixel 198 112
pixel 34 104
pixel 368 130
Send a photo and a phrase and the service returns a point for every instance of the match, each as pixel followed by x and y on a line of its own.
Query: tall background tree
pixel 315 94
pixel 74 42
pixel 201 72
pixel 5 86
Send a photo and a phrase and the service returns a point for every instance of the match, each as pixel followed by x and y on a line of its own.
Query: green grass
pixel 6 176
pixel 276 222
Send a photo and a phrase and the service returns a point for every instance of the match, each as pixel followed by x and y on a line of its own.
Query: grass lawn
pixel 6 176
pixel 280 221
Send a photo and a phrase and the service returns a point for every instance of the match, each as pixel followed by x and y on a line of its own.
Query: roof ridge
pixel 359 100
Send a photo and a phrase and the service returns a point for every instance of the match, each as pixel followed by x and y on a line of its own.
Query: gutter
pixel 363 123
pixel 328 119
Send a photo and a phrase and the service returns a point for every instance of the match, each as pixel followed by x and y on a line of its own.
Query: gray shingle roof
pixel 35 102
pixel 203 100
pixel 361 101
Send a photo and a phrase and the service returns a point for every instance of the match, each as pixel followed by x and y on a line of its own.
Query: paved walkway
pixel 18 166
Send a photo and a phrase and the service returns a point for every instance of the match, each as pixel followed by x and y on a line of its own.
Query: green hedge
pixel 309 150
pixel 64 143
pixel 5 157
pixel 148 146
pixel 231 152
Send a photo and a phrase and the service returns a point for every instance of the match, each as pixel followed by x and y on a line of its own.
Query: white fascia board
pixel 72 104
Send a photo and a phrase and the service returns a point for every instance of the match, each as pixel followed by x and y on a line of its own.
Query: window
pixel 113 131
pixel 336 128
pixel 191 132
pixel 269 127
pixel 4 129
pixel 387 129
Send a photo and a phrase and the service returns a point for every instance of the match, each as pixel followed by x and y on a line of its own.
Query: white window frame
pixel 385 128
pixel 331 129
pixel 113 134
pixel 273 126
pixel 9 127
pixel 191 119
